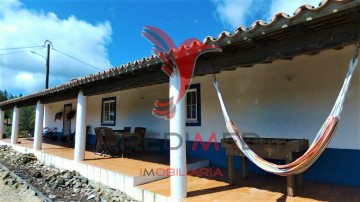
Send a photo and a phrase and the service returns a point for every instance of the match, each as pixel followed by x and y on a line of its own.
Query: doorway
pixel 66 121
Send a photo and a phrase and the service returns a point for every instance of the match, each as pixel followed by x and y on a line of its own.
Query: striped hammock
pixel 317 147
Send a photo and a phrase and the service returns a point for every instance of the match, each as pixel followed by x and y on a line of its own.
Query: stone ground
pixel 8 194
pixel 53 183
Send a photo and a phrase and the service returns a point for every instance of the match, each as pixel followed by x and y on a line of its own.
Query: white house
pixel 278 80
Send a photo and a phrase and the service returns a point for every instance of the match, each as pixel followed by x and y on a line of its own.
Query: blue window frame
pixel 108 111
pixel 193 106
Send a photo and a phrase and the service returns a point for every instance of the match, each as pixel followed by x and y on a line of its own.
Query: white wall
pixel 134 109
pixel 52 109
pixel 260 99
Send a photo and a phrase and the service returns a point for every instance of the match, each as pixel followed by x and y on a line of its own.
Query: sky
pixel 101 34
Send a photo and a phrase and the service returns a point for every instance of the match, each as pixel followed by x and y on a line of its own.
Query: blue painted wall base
pixel 338 166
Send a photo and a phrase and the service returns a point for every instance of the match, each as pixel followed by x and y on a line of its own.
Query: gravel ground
pixel 8 194
pixel 56 184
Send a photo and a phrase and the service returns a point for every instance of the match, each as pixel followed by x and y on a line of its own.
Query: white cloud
pixel 25 72
pixel 30 80
pixel 290 7
pixel 232 13
pixel 236 13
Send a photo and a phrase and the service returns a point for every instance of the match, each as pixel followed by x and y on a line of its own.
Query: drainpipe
pixel 15 125
pixel 2 118
pixel 39 120
pixel 80 133
pixel 177 143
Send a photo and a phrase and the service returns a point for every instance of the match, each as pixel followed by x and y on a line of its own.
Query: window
pixel 108 111
pixel 193 106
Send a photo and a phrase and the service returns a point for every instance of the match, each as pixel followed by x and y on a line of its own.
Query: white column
pixel 39 121
pixel 15 125
pixel 46 118
pixel 2 118
pixel 80 133
pixel 178 144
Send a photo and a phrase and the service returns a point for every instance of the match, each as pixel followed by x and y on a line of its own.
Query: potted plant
pixel 71 114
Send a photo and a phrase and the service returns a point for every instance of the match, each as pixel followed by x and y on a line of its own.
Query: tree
pixel 27 114
pixel 27 118
pixel 3 96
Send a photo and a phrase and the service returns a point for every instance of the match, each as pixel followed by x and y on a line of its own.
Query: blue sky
pixel 181 19
pixel 108 33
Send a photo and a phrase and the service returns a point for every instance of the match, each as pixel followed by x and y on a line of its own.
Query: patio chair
pixel 111 145
pixel 88 142
pixel 136 143
pixel 30 135
pixel 70 139
pixel 100 144
pixel 49 134
pixel 127 129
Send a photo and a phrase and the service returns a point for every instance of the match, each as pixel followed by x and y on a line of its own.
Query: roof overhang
pixel 310 30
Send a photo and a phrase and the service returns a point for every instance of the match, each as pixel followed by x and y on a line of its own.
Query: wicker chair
pixel 111 145
pixel 127 129
pixel 70 139
pixel 136 144
pixel 100 143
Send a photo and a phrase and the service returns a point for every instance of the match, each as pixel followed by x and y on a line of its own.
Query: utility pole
pixel 47 58
pixel 47 63
pixel 47 66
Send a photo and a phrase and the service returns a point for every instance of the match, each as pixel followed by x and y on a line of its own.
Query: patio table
pixel 268 148
pixel 122 136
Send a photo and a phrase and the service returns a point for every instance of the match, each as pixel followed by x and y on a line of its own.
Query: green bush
pixel 7 131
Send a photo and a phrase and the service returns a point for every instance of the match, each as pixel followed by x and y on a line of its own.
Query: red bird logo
pixel 178 63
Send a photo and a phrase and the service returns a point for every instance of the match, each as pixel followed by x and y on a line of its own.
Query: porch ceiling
pixel 334 24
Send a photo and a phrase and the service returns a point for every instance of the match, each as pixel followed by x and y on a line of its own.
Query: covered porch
pixel 125 174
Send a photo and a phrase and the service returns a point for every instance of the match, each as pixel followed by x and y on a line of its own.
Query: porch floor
pixel 256 188
pixel 126 166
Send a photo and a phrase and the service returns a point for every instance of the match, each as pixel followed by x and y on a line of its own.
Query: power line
pixel 41 47
pixel 10 53
pixel 13 52
pixel 26 47
pixel 77 59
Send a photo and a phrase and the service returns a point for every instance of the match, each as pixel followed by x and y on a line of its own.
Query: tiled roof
pixel 304 13
pixel 280 20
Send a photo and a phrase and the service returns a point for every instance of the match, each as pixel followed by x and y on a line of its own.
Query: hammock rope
pixel 317 147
